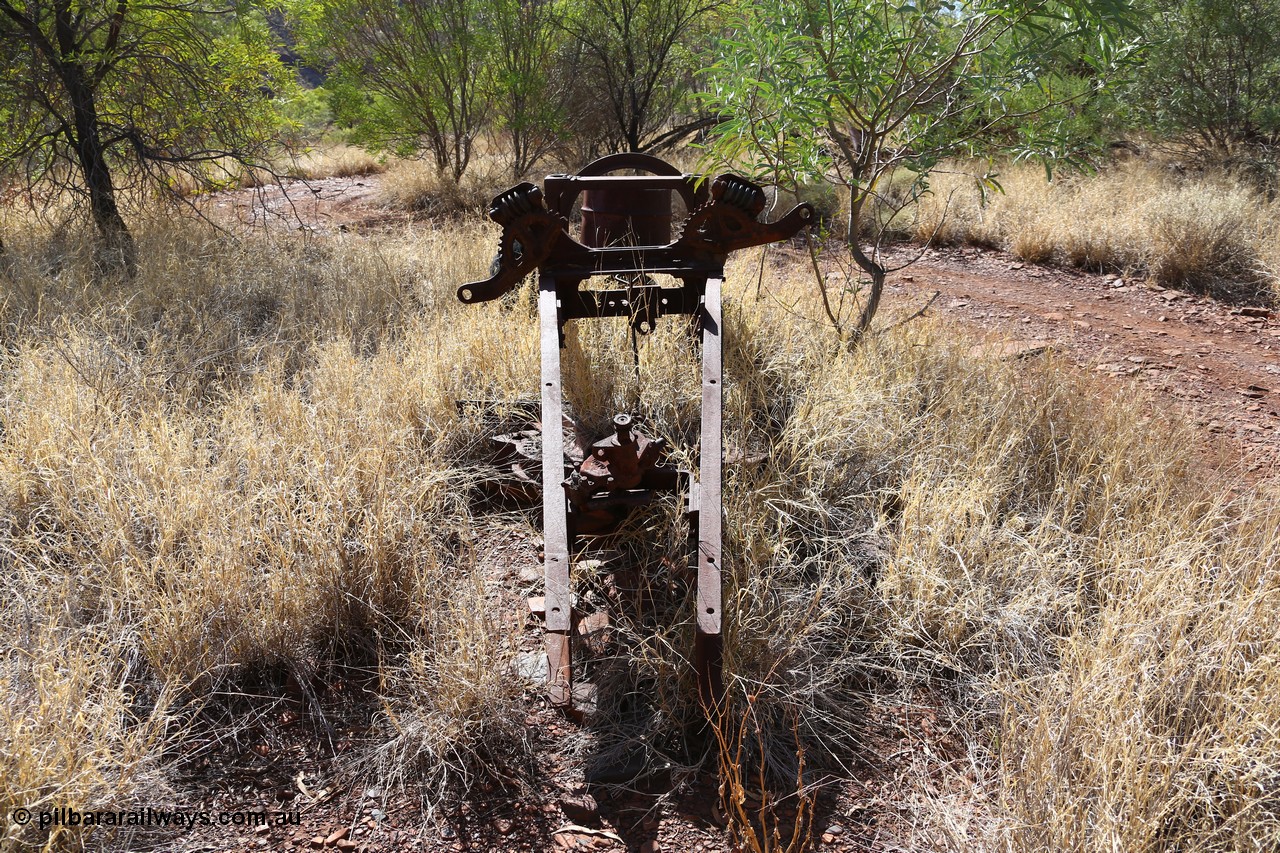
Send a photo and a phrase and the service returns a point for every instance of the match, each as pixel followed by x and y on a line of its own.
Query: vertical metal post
pixel 555 523
pixel 707 641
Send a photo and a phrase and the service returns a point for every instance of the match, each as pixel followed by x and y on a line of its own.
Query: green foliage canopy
pixel 96 93
pixel 856 91
pixel 640 58
pixel 1212 72
pixel 405 75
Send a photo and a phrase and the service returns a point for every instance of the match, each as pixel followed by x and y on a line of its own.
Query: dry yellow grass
pixel 336 160
pixel 1206 232
pixel 251 458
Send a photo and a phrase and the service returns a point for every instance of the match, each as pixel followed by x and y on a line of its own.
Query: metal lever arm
pixel 728 222
pixel 529 233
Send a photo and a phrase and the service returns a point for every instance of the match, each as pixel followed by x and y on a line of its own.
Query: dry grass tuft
pixel 243 463
pixel 335 160
pixel 1200 231
pixel 251 457
pixel 417 186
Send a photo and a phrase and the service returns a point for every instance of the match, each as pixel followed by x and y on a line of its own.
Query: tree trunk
pixel 867 265
pixel 118 248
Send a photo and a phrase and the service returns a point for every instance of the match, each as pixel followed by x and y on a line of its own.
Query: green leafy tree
pixel 409 75
pixel 871 95
pixel 1212 73
pixel 637 59
pixel 530 82
pixel 100 95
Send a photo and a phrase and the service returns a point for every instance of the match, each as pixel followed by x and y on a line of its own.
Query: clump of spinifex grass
pixel 924 517
pixel 251 458
pixel 243 459
pixel 1157 730
pixel 1208 232
pixel 335 160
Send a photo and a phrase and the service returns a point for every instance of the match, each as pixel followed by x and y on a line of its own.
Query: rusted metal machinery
pixel 626 235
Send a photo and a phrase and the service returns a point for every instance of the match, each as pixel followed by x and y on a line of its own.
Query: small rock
pixel 584 697
pixel 532 666
pixel 538 605
pixel 336 836
pixel 503 825
pixel 827 838
pixel 593 622
pixel 835 829
pixel 346 844
pixel 582 809
pixel 317 841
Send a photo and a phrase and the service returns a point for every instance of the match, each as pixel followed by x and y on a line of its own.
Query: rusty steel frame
pixel 555 507
pixel 707 639
pixel 722 218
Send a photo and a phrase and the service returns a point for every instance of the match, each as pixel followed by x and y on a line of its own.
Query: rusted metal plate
pixel 559 668
pixel 707 640
pixel 535 231
pixel 554 507
pixel 710 464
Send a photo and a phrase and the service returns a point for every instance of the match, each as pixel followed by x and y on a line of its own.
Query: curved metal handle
pixel 630 160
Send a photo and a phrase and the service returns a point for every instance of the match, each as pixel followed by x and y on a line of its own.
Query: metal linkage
pixel 624 470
